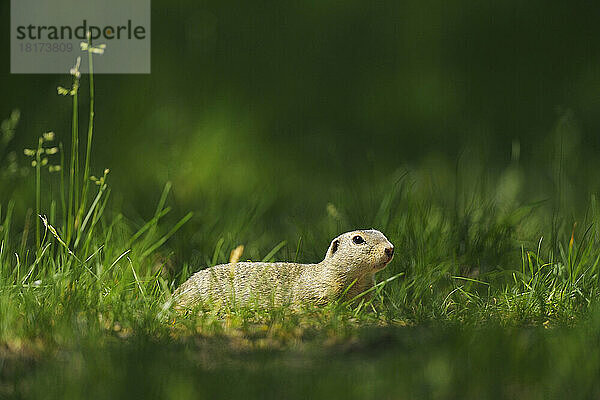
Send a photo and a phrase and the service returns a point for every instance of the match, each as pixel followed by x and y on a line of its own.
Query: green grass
pixel 492 293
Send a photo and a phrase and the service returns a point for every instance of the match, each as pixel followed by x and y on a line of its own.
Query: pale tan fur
pixel 346 264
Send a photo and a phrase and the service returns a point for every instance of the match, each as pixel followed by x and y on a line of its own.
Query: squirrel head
pixel 361 251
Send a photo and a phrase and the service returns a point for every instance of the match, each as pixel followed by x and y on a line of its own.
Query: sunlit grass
pixel 92 280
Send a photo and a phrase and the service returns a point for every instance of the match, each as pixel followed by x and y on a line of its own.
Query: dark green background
pixel 283 103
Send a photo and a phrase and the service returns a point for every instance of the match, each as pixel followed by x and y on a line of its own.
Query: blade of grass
pixel 148 225
pixel 274 251
pixel 217 251
pixel 90 133
pixel 166 237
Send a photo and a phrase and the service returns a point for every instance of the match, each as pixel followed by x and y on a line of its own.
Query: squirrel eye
pixel 358 239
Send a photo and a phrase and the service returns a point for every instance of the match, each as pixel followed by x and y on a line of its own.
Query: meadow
pixel 445 135
pixel 492 293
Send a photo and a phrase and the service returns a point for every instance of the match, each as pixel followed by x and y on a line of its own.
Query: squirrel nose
pixel 389 251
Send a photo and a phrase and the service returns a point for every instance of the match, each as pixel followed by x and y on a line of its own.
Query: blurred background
pixel 262 114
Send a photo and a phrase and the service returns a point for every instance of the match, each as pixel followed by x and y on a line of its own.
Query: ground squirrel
pixel 351 261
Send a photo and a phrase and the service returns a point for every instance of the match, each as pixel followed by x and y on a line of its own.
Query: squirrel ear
pixel 334 246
